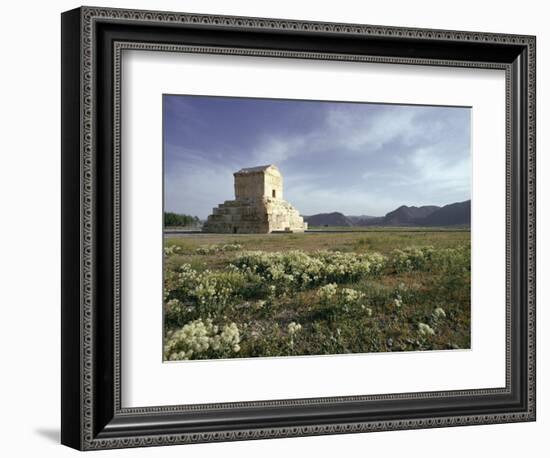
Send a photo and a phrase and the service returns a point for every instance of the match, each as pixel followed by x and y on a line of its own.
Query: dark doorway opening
pixel 273 194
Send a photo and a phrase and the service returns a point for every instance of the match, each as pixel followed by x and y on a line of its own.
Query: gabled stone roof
pixel 259 168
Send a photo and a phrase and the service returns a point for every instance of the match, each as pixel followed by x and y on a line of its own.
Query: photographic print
pixel 292 217
pixel 306 227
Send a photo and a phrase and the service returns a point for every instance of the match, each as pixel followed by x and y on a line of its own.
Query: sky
pixel 355 158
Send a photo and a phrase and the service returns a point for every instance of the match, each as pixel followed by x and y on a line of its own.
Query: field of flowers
pixel 241 296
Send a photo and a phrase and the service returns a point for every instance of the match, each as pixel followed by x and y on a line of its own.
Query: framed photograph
pixel 276 228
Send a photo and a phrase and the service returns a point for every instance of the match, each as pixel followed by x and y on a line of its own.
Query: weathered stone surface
pixel 258 207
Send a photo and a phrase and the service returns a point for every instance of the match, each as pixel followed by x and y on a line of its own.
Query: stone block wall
pixel 258 207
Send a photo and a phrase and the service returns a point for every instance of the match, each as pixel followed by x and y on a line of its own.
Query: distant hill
pixel 370 221
pixel 406 216
pixel 449 215
pixel 358 219
pixel 456 214
pixel 328 219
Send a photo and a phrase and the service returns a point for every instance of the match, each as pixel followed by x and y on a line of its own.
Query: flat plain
pixel 316 293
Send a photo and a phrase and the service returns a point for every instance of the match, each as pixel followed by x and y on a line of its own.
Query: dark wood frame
pixel 92 42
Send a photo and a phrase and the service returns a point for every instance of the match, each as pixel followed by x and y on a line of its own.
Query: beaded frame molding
pixel 92 42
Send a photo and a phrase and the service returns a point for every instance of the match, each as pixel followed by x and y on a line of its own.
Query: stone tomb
pixel 258 207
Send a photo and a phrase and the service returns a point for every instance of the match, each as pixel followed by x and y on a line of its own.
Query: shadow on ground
pixel 51 434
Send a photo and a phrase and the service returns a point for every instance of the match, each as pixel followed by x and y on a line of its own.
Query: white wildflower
pixel 327 292
pixel 172 249
pixel 350 295
pixel 425 329
pixel 398 301
pixel 201 339
pixel 293 327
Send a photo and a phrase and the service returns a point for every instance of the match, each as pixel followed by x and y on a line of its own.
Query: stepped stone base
pixel 254 216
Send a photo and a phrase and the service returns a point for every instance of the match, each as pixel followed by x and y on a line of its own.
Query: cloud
pixel 276 150
pixel 353 158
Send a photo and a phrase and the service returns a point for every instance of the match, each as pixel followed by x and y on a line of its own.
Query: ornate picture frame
pixel 93 416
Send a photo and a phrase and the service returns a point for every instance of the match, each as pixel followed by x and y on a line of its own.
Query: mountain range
pixel 456 214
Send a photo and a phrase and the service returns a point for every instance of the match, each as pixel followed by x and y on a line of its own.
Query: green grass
pixel 267 295
pixel 391 229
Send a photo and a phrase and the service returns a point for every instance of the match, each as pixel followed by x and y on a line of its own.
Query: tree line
pixel 177 219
